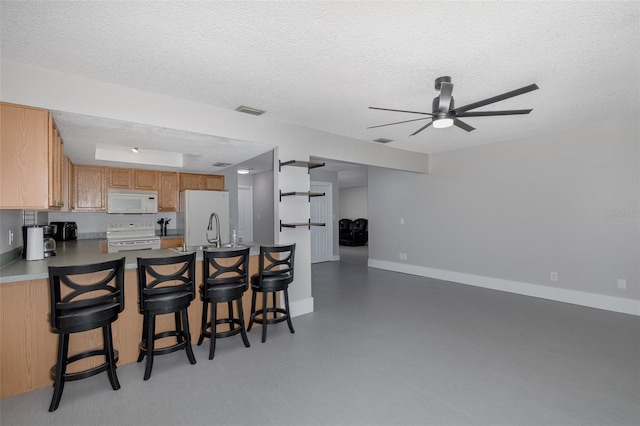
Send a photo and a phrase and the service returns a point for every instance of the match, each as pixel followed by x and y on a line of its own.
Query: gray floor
pixel 382 348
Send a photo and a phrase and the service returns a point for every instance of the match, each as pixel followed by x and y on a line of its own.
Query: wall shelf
pixel 307 224
pixel 307 194
pixel 308 164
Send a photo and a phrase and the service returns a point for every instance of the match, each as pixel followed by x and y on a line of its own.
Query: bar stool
pixel 83 298
pixel 275 274
pixel 225 279
pixel 165 286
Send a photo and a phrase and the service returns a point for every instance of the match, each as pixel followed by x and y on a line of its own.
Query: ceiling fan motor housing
pixel 436 112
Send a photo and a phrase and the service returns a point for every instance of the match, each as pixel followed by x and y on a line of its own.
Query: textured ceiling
pixel 321 64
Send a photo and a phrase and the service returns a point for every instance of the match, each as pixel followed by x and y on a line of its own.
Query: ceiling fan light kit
pixel 444 114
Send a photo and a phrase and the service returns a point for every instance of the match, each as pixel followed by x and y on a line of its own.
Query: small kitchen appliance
pixel 33 242
pixel 48 241
pixel 127 236
pixel 65 231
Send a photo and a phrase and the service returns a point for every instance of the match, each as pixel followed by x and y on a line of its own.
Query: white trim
pixel 301 307
pixel 335 258
pixel 593 300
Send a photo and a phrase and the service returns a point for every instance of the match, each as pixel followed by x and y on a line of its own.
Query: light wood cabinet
pixel 171 242
pixel 132 179
pixel 145 179
pixel 31 159
pixel 120 178
pixel 213 182
pixel 89 188
pixel 56 165
pixel 67 184
pixel 168 192
pixel 200 182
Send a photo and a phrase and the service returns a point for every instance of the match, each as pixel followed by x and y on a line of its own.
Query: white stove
pixel 127 236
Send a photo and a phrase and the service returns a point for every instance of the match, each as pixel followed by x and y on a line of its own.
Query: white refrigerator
pixel 196 211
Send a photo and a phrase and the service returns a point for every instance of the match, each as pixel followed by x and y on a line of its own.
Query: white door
pixel 321 211
pixel 245 213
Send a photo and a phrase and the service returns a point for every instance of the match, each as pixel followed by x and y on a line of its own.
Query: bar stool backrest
pixel 216 272
pixel 160 276
pixel 277 261
pixel 85 286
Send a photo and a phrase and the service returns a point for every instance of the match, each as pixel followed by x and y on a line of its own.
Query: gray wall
pixel 565 202
pixel 263 207
pixel 354 203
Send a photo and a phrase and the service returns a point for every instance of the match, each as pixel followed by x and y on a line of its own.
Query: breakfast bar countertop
pixel 80 252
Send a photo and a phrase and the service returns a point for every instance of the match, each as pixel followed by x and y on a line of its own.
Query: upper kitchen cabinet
pixel 32 159
pixel 89 188
pixel 132 179
pixel 167 191
pixel 197 181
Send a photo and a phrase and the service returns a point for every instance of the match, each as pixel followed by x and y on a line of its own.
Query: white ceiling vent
pixel 249 110
pixel 383 140
pixel 221 164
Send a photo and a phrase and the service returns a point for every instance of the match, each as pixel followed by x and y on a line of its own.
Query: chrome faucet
pixel 215 241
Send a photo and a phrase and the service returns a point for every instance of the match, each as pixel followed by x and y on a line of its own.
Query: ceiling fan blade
pixel 490 113
pixel 445 96
pixel 401 110
pixel 398 122
pixel 463 125
pixel 498 98
pixel 421 128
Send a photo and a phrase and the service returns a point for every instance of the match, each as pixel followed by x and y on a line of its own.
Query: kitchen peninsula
pixel 28 348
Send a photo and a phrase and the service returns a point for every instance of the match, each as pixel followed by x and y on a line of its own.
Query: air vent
pixel 221 164
pixel 383 140
pixel 249 110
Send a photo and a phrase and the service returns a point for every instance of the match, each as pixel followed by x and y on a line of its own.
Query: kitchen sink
pixel 190 249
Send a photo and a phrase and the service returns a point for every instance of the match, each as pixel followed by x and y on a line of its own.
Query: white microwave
pixel 131 201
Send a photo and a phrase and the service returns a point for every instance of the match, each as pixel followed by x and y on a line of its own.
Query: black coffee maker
pixel 48 241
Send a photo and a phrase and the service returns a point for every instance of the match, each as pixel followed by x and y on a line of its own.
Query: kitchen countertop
pixel 80 252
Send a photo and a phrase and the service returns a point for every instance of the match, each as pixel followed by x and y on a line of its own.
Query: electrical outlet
pixel 402 221
pixel 554 276
pixel 400 255
pixel 622 284
pixel 405 256
pixel 11 237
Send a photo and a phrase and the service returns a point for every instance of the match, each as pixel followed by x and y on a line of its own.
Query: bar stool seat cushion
pixel 82 319
pixel 224 292
pixel 164 303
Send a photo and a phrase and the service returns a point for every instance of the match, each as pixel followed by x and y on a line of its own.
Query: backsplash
pixel 94 225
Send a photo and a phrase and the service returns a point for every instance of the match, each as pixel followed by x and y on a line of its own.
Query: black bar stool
pixel 225 279
pixel 83 298
pixel 275 274
pixel 165 286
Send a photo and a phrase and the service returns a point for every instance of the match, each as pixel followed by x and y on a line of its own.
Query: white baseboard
pixel 301 307
pixel 335 258
pixel 599 301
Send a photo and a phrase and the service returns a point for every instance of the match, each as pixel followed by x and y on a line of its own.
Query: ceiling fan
pixel 444 114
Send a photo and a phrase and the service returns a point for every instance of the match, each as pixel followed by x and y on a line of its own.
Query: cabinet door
pixel 89 188
pixel 24 176
pixel 120 178
pixel 213 182
pixel 168 191
pixel 171 242
pixel 67 184
pixel 145 179
pixel 190 181
pixel 56 165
